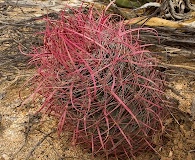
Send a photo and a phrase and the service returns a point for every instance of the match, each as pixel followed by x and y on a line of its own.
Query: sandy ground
pixel 24 135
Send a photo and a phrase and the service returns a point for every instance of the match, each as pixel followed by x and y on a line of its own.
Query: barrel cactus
pixel 95 75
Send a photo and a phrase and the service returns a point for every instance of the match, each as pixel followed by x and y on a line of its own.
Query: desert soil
pixel 26 135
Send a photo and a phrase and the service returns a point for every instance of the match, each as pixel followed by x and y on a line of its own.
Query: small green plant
pixel 97 78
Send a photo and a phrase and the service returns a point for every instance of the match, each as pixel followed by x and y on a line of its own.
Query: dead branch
pixel 38 144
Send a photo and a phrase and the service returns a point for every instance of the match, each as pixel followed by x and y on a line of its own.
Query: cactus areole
pixel 97 78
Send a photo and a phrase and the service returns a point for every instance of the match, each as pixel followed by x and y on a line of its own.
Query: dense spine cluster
pixel 96 77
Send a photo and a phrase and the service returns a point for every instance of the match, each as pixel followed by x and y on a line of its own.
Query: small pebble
pixel 4 157
pixel 2 95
